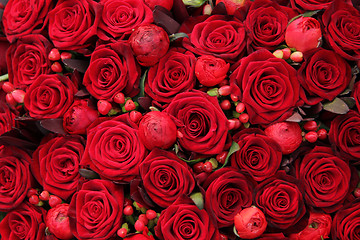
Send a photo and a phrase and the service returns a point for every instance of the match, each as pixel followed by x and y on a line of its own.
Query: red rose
pixel 345 225
pixel 281 200
pixel 15 176
pixel 339 20
pixel 24 222
pixel 73 24
pixel 323 75
pixel 344 136
pixel 27 59
pixel 4 46
pixel 172 75
pixel 326 179
pixel 7 118
pixel 113 69
pixel 120 17
pixel 356 95
pixel 202 123
pixel 267 85
pixel 49 96
pixel 259 155
pixel 56 162
pixel 23 17
pixel 310 5
pixel 228 191
pixel 165 177
pixel 113 148
pixel 217 36
pixel 95 211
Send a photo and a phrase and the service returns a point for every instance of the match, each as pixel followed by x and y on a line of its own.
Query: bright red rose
pixel 113 148
pixel 95 210
pixel 23 17
pixel 7 118
pixel 268 87
pixel 24 222
pixel 49 96
pixel 310 5
pixel 112 69
pixel 27 59
pixel 345 225
pixel 356 95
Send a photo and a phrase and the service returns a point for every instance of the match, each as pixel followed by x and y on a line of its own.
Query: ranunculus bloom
pixel 112 70
pixel 27 59
pixel 24 222
pixel 166 177
pixel 228 191
pixel 268 87
pixel 95 210
pixel 210 70
pixel 344 136
pixel 259 155
pixel 345 225
pixel 341 23
pixel 201 122
pixel 172 75
pixel 56 163
pixel 15 177
pixel 218 37
pixel 120 17
pixel 323 75
pixel 49 96
pixel 113 148
pixel 326 179
pixel 23 17
pixel 73 24
pixel 281 200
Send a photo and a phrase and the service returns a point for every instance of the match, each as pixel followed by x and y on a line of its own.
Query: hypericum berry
pixel 56 67
pixel 65 55
pixel 322 134
pixel 357 192
pixel 244 117
pixel 19 95
pixel 104 107
pixel 54 201
pixel 207 9
pixel 128 210
pixel 10 99
pixel 234 98
pixel 34 199
pixel 31 191
pixel 139 226
pixel 278 53
pixel 310 126
pixel 54 54
pixel 224 90
pixel 151 214
pixel 311 136
pixel 297 56
pixel 8 87
pixel 221 157
pixel 130 105
pixel 233 123
pixel 144 219
pixel 225 105
pixel 224 82
pixel 119 98
pixel 286 53
pixel 135 116
pixel 208 167
pixel 240 107
pixel 44 195
pixel 122 232
pixel 198 167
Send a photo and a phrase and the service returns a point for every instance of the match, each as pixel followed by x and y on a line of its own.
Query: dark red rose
pixel 341 22
pixel 267 85
pixel 49 96
pixel 113 148
pixel 166 177
pixel 7 118
pixel 323 75
pixel 4 46
pixel 356 95
pixel 15 177
pixel 172 75
pixel 113 69
pixel 217 36
pixel 95 211
pixel 24 222
pixel 228 191
pixel 259 155
pixel 23 17
pixel 310 5
pixel 345 225
pixel 326 179
pixel 73 24
pixel 56 163
pixel 27 59
pixel 184 220
pixel 202 123
pixel 120 17
pixel 280 198
pixel 344 136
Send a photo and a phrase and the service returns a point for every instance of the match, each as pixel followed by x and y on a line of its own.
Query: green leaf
pixel 213 92
pixel 88 174
pixel 176 36
pixel 4 77
pixel 296 117
pixel 350 101
pixel 310 13
pixel 194 3
pixel 198 199
pixel 142 83
pixel 234 148
pixel 2 215
pixel 337 106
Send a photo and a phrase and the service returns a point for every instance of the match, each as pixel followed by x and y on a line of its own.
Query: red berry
pixel 297 56
pixel 207 9
pixel 8 87
pixel 224 90
pixel 287 53
pixel 139 226
pixel 54 54
pixel 56 67
pixel 54 201
pixel 310 126
pixel 104 107
pixel 143 218
pixel 198 167
pixel 234 123
pixel 208 167
pixel 221 157
pixel 357 192
pixel 311 136
pixel 244 117
pixel 240 107
pixel 151 214
pixel 135 116
pixel 278 53
pixel 122 232
pixel 234 98
pixel 119 98
pixel 224 83
pixel 139 205
pixel 44 196
pixel 65 55
pixel 10 99
pixel 322 134
pixel 128 210
pixel 31 191
pixel 225 105
pixel 19 95
pixel 129 105
pixel 34 199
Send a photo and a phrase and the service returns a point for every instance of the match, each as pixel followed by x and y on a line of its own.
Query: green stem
pixel 4 77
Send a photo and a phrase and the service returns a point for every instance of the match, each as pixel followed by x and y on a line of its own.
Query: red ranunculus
pixel 345 225
pixel 319 227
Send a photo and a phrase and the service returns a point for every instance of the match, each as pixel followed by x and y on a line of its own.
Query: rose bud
pixel 250 223
pixel 303 34
pixel 286 134
pixel 78 117
pixel 157 129
pixel 211 70
pixel 149 43
pixel 57 221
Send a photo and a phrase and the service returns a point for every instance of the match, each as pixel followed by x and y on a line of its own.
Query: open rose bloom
pixel 179 119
